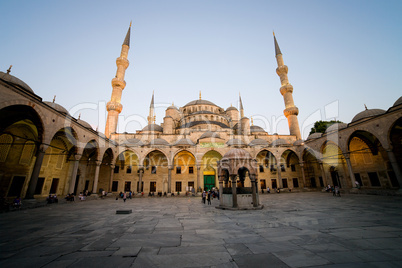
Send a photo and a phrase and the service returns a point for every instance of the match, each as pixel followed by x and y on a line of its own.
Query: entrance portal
pixel 209 182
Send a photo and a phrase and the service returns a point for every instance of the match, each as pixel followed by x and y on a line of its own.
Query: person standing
pixel 209 198
pixel 124 196
pixel 203 196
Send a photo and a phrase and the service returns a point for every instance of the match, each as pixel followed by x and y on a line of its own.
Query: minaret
pixel 151 117
pixel 291 111
pixel 241 107
pixel 114 106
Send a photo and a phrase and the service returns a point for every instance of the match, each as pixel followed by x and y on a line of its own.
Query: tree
pixel 321 126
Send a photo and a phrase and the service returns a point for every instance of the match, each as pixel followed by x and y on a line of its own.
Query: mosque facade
pixel 44 150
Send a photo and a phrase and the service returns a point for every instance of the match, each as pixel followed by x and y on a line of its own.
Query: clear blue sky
pixel 344 53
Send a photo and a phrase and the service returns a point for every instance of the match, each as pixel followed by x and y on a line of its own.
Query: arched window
pixel 5 144
pixel 27 153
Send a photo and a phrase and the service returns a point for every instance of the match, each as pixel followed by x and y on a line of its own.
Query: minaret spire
pixel 151 118
pixel 241 107
pixel 291 111
pixel 114 106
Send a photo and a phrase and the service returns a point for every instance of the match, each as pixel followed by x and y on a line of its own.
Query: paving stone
pixel 258 260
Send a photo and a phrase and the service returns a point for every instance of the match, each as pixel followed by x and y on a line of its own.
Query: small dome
pixel 256 129
pixel 280 142
pixel 259 142
pixel 367 114
pixel 57 107
pixel 158 141
pixel 398 102
pixel 84 123
pixel 172 107
pixel 231 108
pixel 133 142
pixel 199 102
pixel 153 127
pixel 184 142
pixel 237 153
pixel 236 142
pixel 298 143
pixel 100 134
pixel 336 127
pixel 15 81
pixel 314 136
pixel 210 134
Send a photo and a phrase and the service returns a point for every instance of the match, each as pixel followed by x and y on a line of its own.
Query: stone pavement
pixel 293 230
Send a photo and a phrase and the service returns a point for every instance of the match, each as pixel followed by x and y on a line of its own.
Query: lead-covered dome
pixel 367 114
pixel 184 142
pixel 158 141
pixel 133 142
pixel 153 127
pixel 200 102
pixel 57 107
pixel 280 142
pixel 336 127
pixel 210 134
pixel 254 129
pixel 84 123
pixel 236 142
pixel 398 102
pixel 315 135
pixel 258 142
pixel 8 78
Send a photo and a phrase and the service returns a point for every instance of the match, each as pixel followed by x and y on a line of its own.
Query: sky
pixel 341 56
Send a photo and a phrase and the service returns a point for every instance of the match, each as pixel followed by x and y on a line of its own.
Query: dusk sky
pixel 341 56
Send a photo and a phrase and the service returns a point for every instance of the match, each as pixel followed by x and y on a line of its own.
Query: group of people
pixel 333 189
pixel 208 196
pixel 52 199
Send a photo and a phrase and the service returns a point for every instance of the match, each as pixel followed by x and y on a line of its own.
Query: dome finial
pixel 200 94
pixel 9 69
pixel 54 98
pixel 79 116
pixel 252 122
pixel 365 106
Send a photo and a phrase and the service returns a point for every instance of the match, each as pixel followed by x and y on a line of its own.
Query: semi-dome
pixel 8 78
pixel 237 153
pixel 210 134
pixel 336 127
pixel 367 114
pixel 153 127
pixel 398 102
pixel 256 129
pixel 258 142
pixel 133 142
pixel 57 107
pixel 231 108
pixel 158 141
pixel 298 143
pixel 84 123
pixel 200 102
pixel 280 142
pixel 236 142
pixel 315 135
pixel 184 142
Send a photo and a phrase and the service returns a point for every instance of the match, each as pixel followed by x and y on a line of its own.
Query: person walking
pixel 124 196
pixel 203 197
pixel 209 197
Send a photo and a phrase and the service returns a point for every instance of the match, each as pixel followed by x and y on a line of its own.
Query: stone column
pixel 303 176
pixel 170 179
pixel 198 177
pixel 220 191
pixel 253 183
pixel 234 193
pixel 349 164
pixel 140 180
pixel 395 167
pixel 36 170
pixel 111 177
pixel 74 173
pixel 95 188
pixel 324 176
pixel 278 168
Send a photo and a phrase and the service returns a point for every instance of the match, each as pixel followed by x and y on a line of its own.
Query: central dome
pixel 200 102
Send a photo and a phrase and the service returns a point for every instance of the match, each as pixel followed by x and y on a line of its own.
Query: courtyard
pixel 308 229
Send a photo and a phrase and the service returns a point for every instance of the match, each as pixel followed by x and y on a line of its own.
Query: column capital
pixel 77 157
pixel 112 166
pixel 98 163
pixel 43 148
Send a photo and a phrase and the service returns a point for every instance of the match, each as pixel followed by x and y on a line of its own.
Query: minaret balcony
pixel 286 89
pixel 116 82
pixel 120 61
pixel 291 111
pixel 282 70
pixel 114 106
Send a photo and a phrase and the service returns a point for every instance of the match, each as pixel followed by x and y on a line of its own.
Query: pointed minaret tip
pixel 277 49
pixel 152 100
pixel 127 39
pixel 131 23
pixel 241 103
